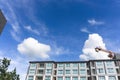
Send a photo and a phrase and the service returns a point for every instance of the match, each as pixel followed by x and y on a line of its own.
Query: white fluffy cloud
pixel 33 48
pixel 94 22
pixel 94 40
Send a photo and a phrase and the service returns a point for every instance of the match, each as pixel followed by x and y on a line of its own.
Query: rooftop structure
pixel 2 21
pixel 74 70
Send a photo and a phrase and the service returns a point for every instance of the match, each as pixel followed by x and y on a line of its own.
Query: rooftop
pixel 73 61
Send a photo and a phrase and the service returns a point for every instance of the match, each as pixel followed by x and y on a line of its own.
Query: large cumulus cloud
pixel 94 40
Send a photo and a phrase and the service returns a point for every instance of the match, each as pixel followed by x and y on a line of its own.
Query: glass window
pixel 47 78
pixel 109 63
pixel 67 64
pixel 67 71
pixel 60 78
pixel 99 63
pixel 75 71
pixel 100 70
pixel 75 65
pixel 48 64
pixel 82 71
pixel 110 70
pixel 30 78
pixel 75 78
pixel 82 64
pixel 60 71
pixel 32 65
pixel 39 78
pixel 93 71
pixel 41 65
pixel 40 71
pixel 83 78
pixel 60 65
pixel 32 71
pixel 112 78
pixel 67 78
pixel 101 77
pixel 48 71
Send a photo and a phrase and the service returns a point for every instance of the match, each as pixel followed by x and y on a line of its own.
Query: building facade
pixel 2 21
pixel 74 70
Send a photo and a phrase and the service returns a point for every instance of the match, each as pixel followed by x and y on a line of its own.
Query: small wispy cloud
pixel 29 28
pixel 85 30
pixel 31 15
pixel 15 36
pixel 94 22
pixel 59 50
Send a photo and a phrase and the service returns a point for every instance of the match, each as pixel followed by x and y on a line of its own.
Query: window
pixel 82 71
pixel 110 70
pixel 60 71
pixel 67 78
pixel 32 71
pixel 112 78
pixel 100 70
pixel 93 71
pixel 82 64
pixel 48 64
pixel 40 71
pixel 47 78
pixel 41 65
pixel 83 78
pixel 30 78
pixel 33 65
pixel 60 78
pixel 93 64
pixel 75 78
pixel 67 71
pixel 75 71
pixel 109 63
pixel 48 71
pixel 39 78
pixel 101 77
pixel 60 65
pixel 99 63
pixel 75 65
pixel 67 64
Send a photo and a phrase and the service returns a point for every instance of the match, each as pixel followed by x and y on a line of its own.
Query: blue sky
pixel 58 30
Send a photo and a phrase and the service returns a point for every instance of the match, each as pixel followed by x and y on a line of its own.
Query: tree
pixel 4 74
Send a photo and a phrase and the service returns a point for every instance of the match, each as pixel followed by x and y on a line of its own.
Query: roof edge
pixel 73 61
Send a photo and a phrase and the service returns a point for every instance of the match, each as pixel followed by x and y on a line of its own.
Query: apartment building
pixel 74 70
pixel 2 21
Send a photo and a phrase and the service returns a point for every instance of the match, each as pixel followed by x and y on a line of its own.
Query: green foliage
pixel 4 74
